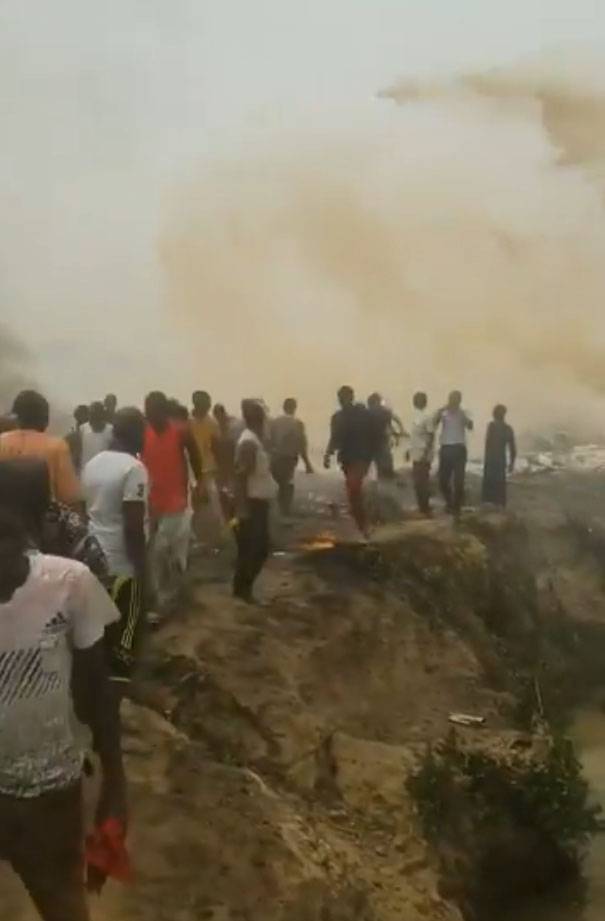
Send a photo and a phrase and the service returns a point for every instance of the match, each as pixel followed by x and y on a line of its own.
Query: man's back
pixel 287 436
pixel 93 442
pixel 354 433
pixel 108 480
pixel 29 443
pixel 164 458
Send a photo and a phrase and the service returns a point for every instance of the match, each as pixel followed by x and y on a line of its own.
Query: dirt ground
pixel 269 748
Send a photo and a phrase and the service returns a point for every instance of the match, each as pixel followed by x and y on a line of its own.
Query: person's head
pixel 176 411
pixel 220 414
pixel 156 408
pixel 81 414
pixel 420 400
pixel 32 411
pixel 346 396
pixel 290 406
pixel 201 403
pixel 454 400
pixel 374 401
pixel 253 415
pixel 25 491
pixel 129 430
pixel 111 404
pixel 97 416
pixel 14 561
pixel 500 412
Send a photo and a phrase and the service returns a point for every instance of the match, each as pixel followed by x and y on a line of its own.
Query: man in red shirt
pixel 167 449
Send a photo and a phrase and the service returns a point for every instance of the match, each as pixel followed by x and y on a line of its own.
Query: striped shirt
pixel 60 607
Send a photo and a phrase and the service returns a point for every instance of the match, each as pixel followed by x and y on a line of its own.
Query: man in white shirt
pixel 53 616
pixel 421 451
pixel 95 435
pixel 454 422
pixel 115 486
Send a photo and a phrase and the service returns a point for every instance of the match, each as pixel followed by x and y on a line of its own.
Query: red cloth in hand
pixel 106 854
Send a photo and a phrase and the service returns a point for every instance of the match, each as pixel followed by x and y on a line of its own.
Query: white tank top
pixel 261 484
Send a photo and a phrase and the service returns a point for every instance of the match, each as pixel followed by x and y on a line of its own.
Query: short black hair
pixel 129 428
pixel 253 413
pixel 420 399
pixel 346 391
pixel 32 410
pixel 290 404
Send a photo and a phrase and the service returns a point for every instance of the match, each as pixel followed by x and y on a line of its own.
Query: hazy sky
pixel 106 107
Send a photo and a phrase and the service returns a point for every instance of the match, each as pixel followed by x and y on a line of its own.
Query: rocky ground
pixel 269 748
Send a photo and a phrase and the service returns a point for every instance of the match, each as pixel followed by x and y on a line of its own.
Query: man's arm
pixel 335 439
pixel 304 449
pixel 398 428
pixel 512 447
pixel 245 464
pixel 193 454
pixel 65 481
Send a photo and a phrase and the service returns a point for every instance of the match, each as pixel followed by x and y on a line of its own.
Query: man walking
pixel 167 448
pixel 353 440
pixel 254 490
pixel 53 616
pixel 30 439
pixel 421 451
pixel 455 423
pixel 115 487
pixel 389 430
pixel 288 445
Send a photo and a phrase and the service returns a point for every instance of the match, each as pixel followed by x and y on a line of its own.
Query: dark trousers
pixel 252 535
pixel 452 473
pixel 421 475
pixel 43 839
pixel 283 469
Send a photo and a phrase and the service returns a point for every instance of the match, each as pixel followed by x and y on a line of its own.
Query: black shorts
pixel 123 638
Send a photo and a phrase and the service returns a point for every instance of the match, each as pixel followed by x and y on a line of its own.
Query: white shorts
pixel 171 539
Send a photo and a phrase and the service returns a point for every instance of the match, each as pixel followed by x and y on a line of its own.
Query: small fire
pixel 323 541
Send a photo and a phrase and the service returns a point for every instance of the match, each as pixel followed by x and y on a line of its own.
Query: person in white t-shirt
pixel 455 422
pixel 95 435
pixel 53 672
pixel 255 489
pixel 115 487
pixel 422 440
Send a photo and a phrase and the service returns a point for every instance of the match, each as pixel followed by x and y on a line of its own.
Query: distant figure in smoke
pixel 288 446
pixel 111 405
pixel 229 430
pixel 388 430
pixel 254 491
pixel 455 422
pixel 30 439
pixel 422 441
pixel 74 441
pixel 499 442
pixel 353 440
pixel 205 432
pixel 178 413
pixel 96 434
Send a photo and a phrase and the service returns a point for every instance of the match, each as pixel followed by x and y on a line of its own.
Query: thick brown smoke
pixel 454 240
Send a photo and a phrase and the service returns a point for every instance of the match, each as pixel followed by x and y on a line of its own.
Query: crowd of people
pixel 95 532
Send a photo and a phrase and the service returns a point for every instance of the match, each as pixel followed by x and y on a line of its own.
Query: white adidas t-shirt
pixel 61 607
pixel 108 480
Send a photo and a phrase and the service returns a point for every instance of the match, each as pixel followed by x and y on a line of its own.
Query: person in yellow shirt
pixel 206 434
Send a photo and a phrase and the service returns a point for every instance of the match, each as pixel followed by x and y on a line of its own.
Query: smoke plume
pixel 453 240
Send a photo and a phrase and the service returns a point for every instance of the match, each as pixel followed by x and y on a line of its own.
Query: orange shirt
pixel 164 457
pixel 28 443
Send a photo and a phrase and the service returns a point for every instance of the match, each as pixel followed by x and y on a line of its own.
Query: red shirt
pixel 164 457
